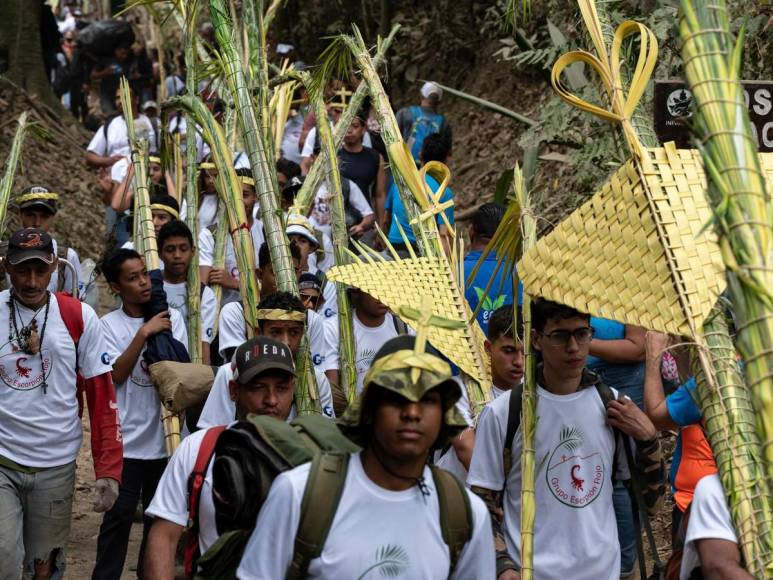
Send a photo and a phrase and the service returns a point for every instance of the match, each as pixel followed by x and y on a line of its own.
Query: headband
pixel 246 179
pixel 41 196
pixel 154 159
pixel 278 314
pixel 207 165
pixel 167 208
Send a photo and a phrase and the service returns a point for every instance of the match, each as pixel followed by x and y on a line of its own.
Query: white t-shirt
pixel 138 403
pixel 219 409
pixel 43 429
pixel 178 124
pixel 117 142
pixel 311 141
pixel 232 332
pixel 709 519
pixel 207 254
pixel 575 531
pixel 177 298
pixel 367 341
pixel 322 208
pixel 291 138
pixel 175 85
pixel 72 257
pixel 359 540
pixel 208 210
pixel 330 307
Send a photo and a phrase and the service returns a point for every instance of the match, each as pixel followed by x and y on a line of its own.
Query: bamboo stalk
pixel 230 191
pixel 264 173
pixel 305 195
pixel 6 185
pixel 346 347
pixel 218 258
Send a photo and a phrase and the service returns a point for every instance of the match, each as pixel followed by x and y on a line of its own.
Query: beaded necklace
pixel 27 338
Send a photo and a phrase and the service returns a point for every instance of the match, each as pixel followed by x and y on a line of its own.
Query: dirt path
pixel 82 548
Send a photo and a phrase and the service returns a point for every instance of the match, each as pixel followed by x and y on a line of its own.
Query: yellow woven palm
pixel 407 283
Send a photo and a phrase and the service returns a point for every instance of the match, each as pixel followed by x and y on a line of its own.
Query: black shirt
pixel 361 168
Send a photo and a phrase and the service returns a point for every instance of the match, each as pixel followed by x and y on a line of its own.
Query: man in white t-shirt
pixel 359 214
pixel 711 544
pixel 389 512
pixel 127 333
pixel 228 275
pixel 504 349
pixel 37 209
pixel 575 534
pixel 262 383
pixel 372 326
pixel 40 427
pixel 176 250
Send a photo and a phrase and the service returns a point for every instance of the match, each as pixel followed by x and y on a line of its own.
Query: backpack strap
pixel 195 483
pixel 455 513
pixel 61 253
pixel 71 311
pixel 513 422
pixel 320 501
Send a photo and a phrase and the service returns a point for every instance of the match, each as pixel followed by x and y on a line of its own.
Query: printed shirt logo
pixel 23 372
pixel 489 306
pixel 391 562
pixel 105 358
pixel 575 479
pixel 140 375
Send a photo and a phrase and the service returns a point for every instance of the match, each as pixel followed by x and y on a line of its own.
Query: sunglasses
pixel 561 337
pixel 309 299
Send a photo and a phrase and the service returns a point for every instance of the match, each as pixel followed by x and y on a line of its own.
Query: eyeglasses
pixel 561 337
pixel 69 40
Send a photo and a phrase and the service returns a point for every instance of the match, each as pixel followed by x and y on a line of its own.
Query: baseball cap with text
pixel 258 355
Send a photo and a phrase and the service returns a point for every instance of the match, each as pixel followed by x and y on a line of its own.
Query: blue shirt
pixel 604 329
pixel 500 292
pixel 395 205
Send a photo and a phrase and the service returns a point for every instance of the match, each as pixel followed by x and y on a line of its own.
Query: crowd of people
pixel 406 480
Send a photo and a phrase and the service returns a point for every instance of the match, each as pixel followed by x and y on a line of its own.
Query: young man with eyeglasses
pixel 310 291
pixel 575 534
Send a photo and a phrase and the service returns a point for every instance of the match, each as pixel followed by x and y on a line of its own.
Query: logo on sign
pixel 678 103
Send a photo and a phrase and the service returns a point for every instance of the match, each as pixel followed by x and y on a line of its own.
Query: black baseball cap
pixel 30 244
pixel 261 354
pixel 38 196
pixel 309 281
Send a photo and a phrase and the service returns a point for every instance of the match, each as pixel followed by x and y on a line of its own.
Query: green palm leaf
pixel 391 561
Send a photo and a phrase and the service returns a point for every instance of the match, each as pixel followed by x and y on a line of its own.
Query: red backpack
pixel 71 311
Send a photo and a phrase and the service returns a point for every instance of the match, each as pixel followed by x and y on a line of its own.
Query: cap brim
pixel 263 367
pixel 37 203
pixel 31 255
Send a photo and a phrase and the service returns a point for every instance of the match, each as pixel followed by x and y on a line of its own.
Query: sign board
pixel 673 107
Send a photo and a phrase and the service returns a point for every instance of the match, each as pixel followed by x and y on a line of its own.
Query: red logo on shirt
pixel 22 373
pixel 575 479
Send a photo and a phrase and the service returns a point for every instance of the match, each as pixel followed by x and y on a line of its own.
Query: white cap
pixel 149 105
pixel 301 226
pixel 428 89
pixel 284 48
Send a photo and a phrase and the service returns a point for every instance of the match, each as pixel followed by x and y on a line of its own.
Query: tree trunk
pixel 20 41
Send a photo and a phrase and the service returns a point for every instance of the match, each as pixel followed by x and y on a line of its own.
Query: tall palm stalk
pixel 190 11
pixel 6 185
pixel 264 173
pixel 230 189
pixel 729 416
pixel 348 375
pixel 218 257
pixel 742 207
pixel 305 195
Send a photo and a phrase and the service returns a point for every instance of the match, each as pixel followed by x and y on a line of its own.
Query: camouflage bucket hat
pixel 397 367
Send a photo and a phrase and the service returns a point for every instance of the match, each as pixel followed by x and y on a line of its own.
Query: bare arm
pixel 121 197
pixel 124 364
pixel 625 350
pixel 720 560
pixel 463 445
pixel 654 396
pixel 96 160
pixel 162 545
pixel 170 187
pixel 380 192
pixel 306 163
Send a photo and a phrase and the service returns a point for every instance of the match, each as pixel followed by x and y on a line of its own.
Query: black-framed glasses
pixel 561 337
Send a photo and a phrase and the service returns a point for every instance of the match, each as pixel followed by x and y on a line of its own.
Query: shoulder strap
pixel 400 327
pixel 513 422
pixel 346 190
pixel 71 310
pixel 106 126
pixel 195 483
pixel 606 394
pixel 455 513
pixel 61 253
pixel 318 507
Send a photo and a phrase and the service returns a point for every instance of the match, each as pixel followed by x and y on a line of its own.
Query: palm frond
pixel 6 185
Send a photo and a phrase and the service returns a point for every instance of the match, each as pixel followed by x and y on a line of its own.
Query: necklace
pixel 417 481
pixel 27 337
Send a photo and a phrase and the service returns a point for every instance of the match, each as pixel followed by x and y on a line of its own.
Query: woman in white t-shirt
pixel 390 511
pixel 126 333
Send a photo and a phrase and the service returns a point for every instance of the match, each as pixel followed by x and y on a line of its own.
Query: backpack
pixel 256 452
pixel 424 124
pixel 71 311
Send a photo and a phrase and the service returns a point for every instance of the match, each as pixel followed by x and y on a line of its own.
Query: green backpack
pixel 247 458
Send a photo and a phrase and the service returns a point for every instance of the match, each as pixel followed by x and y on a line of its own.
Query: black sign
pixel 673 109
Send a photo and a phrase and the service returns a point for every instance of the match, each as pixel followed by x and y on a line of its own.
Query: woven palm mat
pixel 607 258
pixel 399 283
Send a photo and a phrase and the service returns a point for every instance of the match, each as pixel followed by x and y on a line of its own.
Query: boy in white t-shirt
pixel 176 250
pixel 711 544
pixel 389 512
pixel 260 384
pixel 575 534
pixel 127 334
pixel 37 209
